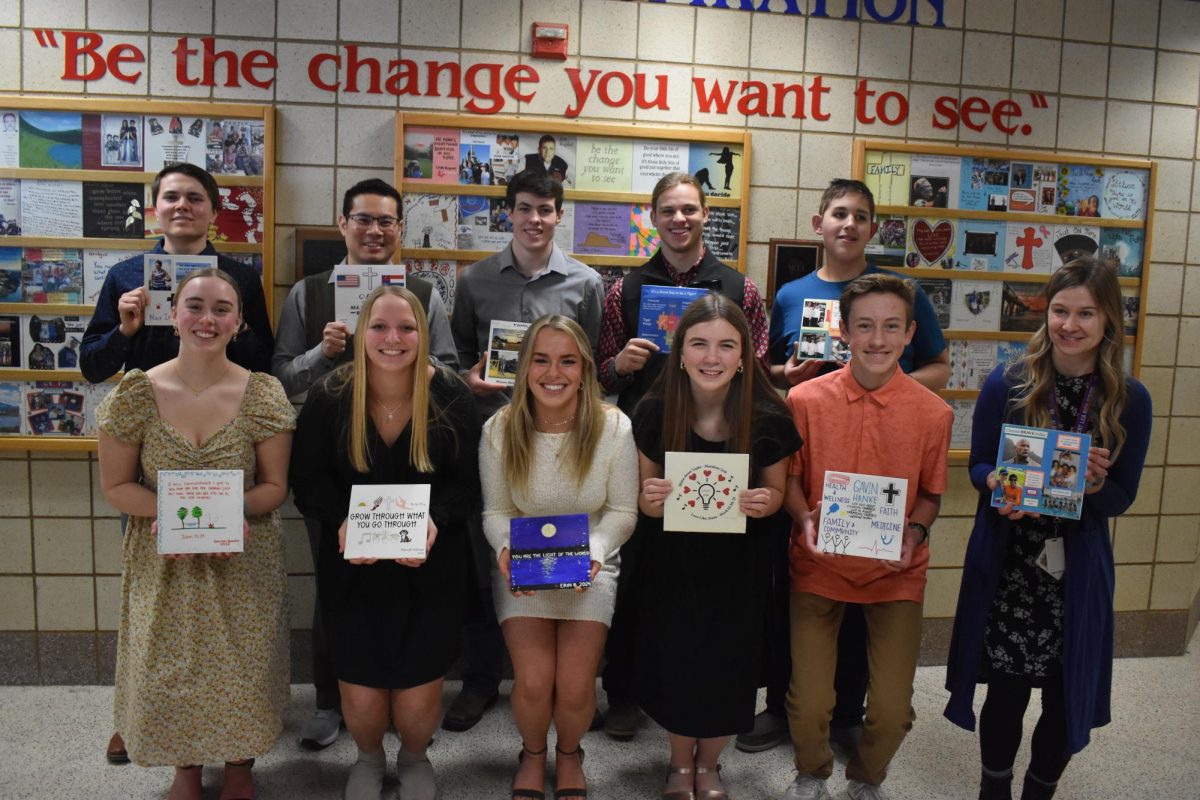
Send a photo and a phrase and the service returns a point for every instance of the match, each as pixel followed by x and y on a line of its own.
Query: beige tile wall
pixel 1123 80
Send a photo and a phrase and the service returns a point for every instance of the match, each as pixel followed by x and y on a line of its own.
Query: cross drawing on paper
pixel 370 275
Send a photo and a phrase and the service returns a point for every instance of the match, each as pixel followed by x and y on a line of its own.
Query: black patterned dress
pixel 1025 624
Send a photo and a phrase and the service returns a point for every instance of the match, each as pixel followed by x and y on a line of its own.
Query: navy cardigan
pixel 1088 613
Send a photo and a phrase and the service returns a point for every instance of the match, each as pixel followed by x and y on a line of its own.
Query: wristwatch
pixel 924 530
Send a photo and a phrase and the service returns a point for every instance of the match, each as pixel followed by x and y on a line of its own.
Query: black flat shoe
pixel 467 709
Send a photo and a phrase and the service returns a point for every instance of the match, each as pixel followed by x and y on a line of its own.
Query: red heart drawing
pixel 692 503
pixel 932 242
pixel 692 477
pixel 720 504
pixel 707 472
pixel 720 477
pixel 726 490
pixel 687 489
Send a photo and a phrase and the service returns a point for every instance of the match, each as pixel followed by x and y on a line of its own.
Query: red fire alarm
pixel 550 40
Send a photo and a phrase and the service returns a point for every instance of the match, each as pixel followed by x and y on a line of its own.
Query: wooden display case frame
pixel 86 105
pixel 863 146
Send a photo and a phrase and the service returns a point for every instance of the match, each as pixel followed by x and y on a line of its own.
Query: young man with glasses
pixel 310 343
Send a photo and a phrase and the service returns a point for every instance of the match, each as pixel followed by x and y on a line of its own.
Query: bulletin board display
pixel 75 178
pixel 453 170
pixel 981 231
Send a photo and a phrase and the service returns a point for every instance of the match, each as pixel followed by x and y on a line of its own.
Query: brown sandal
pixel 711 794
pixel 679 794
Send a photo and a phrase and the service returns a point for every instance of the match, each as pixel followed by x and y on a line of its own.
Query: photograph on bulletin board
pixel 718 168
pixel 51 140
pixel 10 274
pixel 113 142
pixel 431 155
pixel 553 154
pixel 235 147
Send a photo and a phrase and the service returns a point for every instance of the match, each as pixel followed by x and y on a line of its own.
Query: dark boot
pixel 995 787
pixel 1036 789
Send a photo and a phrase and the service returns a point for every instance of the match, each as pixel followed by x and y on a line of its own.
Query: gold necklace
pixel 561 424
pixel 191 389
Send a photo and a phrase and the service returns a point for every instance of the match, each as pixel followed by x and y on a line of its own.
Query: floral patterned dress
pixel 1025 626
pixel 202 656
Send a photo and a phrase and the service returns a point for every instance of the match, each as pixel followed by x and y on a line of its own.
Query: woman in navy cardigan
pixel 1019 627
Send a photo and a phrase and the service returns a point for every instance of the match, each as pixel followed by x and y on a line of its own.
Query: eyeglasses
pixel 385 223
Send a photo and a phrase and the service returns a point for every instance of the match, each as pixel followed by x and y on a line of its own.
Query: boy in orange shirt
pixel 869 418
pixel 1012 490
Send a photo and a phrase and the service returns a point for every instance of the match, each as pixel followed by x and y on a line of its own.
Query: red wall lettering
pixel 85 46
pixel 491 87
pixel 246 66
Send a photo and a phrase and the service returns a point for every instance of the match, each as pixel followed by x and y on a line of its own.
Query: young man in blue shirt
pixel 186 199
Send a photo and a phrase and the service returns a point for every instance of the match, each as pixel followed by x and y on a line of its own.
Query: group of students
pixel 403 398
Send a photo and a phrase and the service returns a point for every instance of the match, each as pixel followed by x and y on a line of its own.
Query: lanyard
pixel 1084 406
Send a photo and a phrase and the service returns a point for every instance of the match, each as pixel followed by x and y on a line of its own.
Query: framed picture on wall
pixel 791 259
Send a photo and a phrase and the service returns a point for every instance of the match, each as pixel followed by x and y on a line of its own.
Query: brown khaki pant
pixel 893 641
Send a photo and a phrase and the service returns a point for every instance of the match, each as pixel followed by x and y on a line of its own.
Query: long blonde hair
pixel 1033 374
pixel 519 429
pixel 353 377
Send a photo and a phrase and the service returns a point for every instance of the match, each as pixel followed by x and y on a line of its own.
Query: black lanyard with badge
pixel 1053 558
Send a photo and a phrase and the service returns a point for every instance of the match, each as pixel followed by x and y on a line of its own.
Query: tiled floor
pixel 55 737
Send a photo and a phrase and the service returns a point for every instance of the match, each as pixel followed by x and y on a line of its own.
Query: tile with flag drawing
pixel 351 285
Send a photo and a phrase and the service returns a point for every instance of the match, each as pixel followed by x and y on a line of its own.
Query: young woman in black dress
pixel 707 591
pixel 390 417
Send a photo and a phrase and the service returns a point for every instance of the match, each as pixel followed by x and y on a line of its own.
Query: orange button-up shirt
pixel 900 430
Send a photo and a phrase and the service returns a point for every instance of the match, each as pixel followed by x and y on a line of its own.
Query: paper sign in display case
pixel 981 230
pixel 75 177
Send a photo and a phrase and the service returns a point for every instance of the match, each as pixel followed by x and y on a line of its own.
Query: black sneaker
pixel 621 721
pixel 770 730
pixel 467 709
pixel 844 742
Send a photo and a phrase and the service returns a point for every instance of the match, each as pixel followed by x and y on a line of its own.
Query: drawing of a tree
pixel 197 512
pixel 182 514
